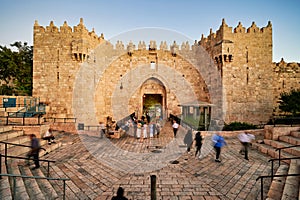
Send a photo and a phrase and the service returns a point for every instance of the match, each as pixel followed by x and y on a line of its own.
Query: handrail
pixel 58 119
pixel 23 117
pixel 36 177
pixel 24 158
pixel 274 159
pixel 22 145
pixel 262 177
pixel 279 154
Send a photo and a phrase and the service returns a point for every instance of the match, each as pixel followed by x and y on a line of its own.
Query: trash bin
pixel 80 126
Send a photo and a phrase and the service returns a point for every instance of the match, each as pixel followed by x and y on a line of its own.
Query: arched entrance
pixel 153 99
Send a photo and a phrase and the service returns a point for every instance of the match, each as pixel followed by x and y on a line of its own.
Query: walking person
pixel 198 145
pixel 151 129
pixel 245 139
pixel 145 130
pixel 218 142
pixel 102 129
pixel 34 152
pixel 157 128
pixel 188 140
pixel 175 127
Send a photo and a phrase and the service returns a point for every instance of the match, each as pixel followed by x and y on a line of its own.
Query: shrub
pixel 235 126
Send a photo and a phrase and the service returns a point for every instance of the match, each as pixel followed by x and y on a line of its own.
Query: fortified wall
pixel 242 57
pixel 57 54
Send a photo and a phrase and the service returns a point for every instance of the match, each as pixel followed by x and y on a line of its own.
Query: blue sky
pixel 189 17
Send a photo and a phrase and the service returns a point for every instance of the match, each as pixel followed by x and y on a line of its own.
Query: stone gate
pixel 79 74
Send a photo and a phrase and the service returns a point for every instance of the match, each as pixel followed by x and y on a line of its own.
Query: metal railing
pixel 21 119
pixel 285 120
pixel 60 119
pixel 279 149
pixel 272 167
pixel 17 157
pixel 274 159
pixel 261 183
pixel 36 177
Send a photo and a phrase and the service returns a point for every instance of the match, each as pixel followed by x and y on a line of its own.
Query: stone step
pixel 277 185
pixel 5 129
pixel 271 151
pixel 32 187
pixel 290 139
pixel 292 184
pixel 5 191
pixel 45 185
pixel 15 140
pixel 71 189
pixel 10 134
pixel 20 189
pixel 295 151
pixel 295 134
pixel 75 183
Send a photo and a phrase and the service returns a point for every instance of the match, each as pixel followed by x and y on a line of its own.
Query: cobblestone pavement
pixel 97 167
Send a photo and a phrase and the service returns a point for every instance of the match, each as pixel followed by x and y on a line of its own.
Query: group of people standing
pixel 144 129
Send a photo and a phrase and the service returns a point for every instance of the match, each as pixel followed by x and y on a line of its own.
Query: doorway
pixel 152 106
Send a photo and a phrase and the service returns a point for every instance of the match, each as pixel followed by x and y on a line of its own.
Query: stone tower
pixel 244 59
pixel 57 55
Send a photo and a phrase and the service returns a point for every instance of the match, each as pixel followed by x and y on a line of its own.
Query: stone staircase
pixel 85 173
pixel 25 188
pixel 285 187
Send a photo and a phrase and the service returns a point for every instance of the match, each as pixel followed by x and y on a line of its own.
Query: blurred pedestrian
pixel 34 151
pixel 245 139
pixel 218 142
pixel 198 144
pixel 188 140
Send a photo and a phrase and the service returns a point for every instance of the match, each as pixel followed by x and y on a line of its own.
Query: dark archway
pixel 152 106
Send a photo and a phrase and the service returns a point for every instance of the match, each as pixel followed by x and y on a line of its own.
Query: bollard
pixel 153 187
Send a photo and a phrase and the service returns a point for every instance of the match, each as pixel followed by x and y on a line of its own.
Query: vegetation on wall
pixel 235 126
pixel 290 102
pixel 16 64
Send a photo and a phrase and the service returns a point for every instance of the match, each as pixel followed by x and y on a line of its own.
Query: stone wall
pixel 38 130
pixel 244 57
pixel 57 55
pixel 273 132
pixel 286 78
pixel 78 74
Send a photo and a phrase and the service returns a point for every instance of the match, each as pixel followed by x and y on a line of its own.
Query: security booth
pixel 196 114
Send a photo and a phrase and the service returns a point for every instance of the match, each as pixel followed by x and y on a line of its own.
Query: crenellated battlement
pixel 152 46
pixel 226 31
pixel 241 43
pixel 66 29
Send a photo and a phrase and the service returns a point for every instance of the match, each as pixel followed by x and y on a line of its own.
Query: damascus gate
pixel 224 77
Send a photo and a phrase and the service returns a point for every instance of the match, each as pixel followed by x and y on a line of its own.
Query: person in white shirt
pixel 245 139
pixel 175 128
pixel 49 136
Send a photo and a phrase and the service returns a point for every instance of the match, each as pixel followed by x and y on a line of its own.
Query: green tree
pixel 290 102
pixel 16 69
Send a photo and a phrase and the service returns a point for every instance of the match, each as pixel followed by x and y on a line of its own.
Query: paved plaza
pixel 98 166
